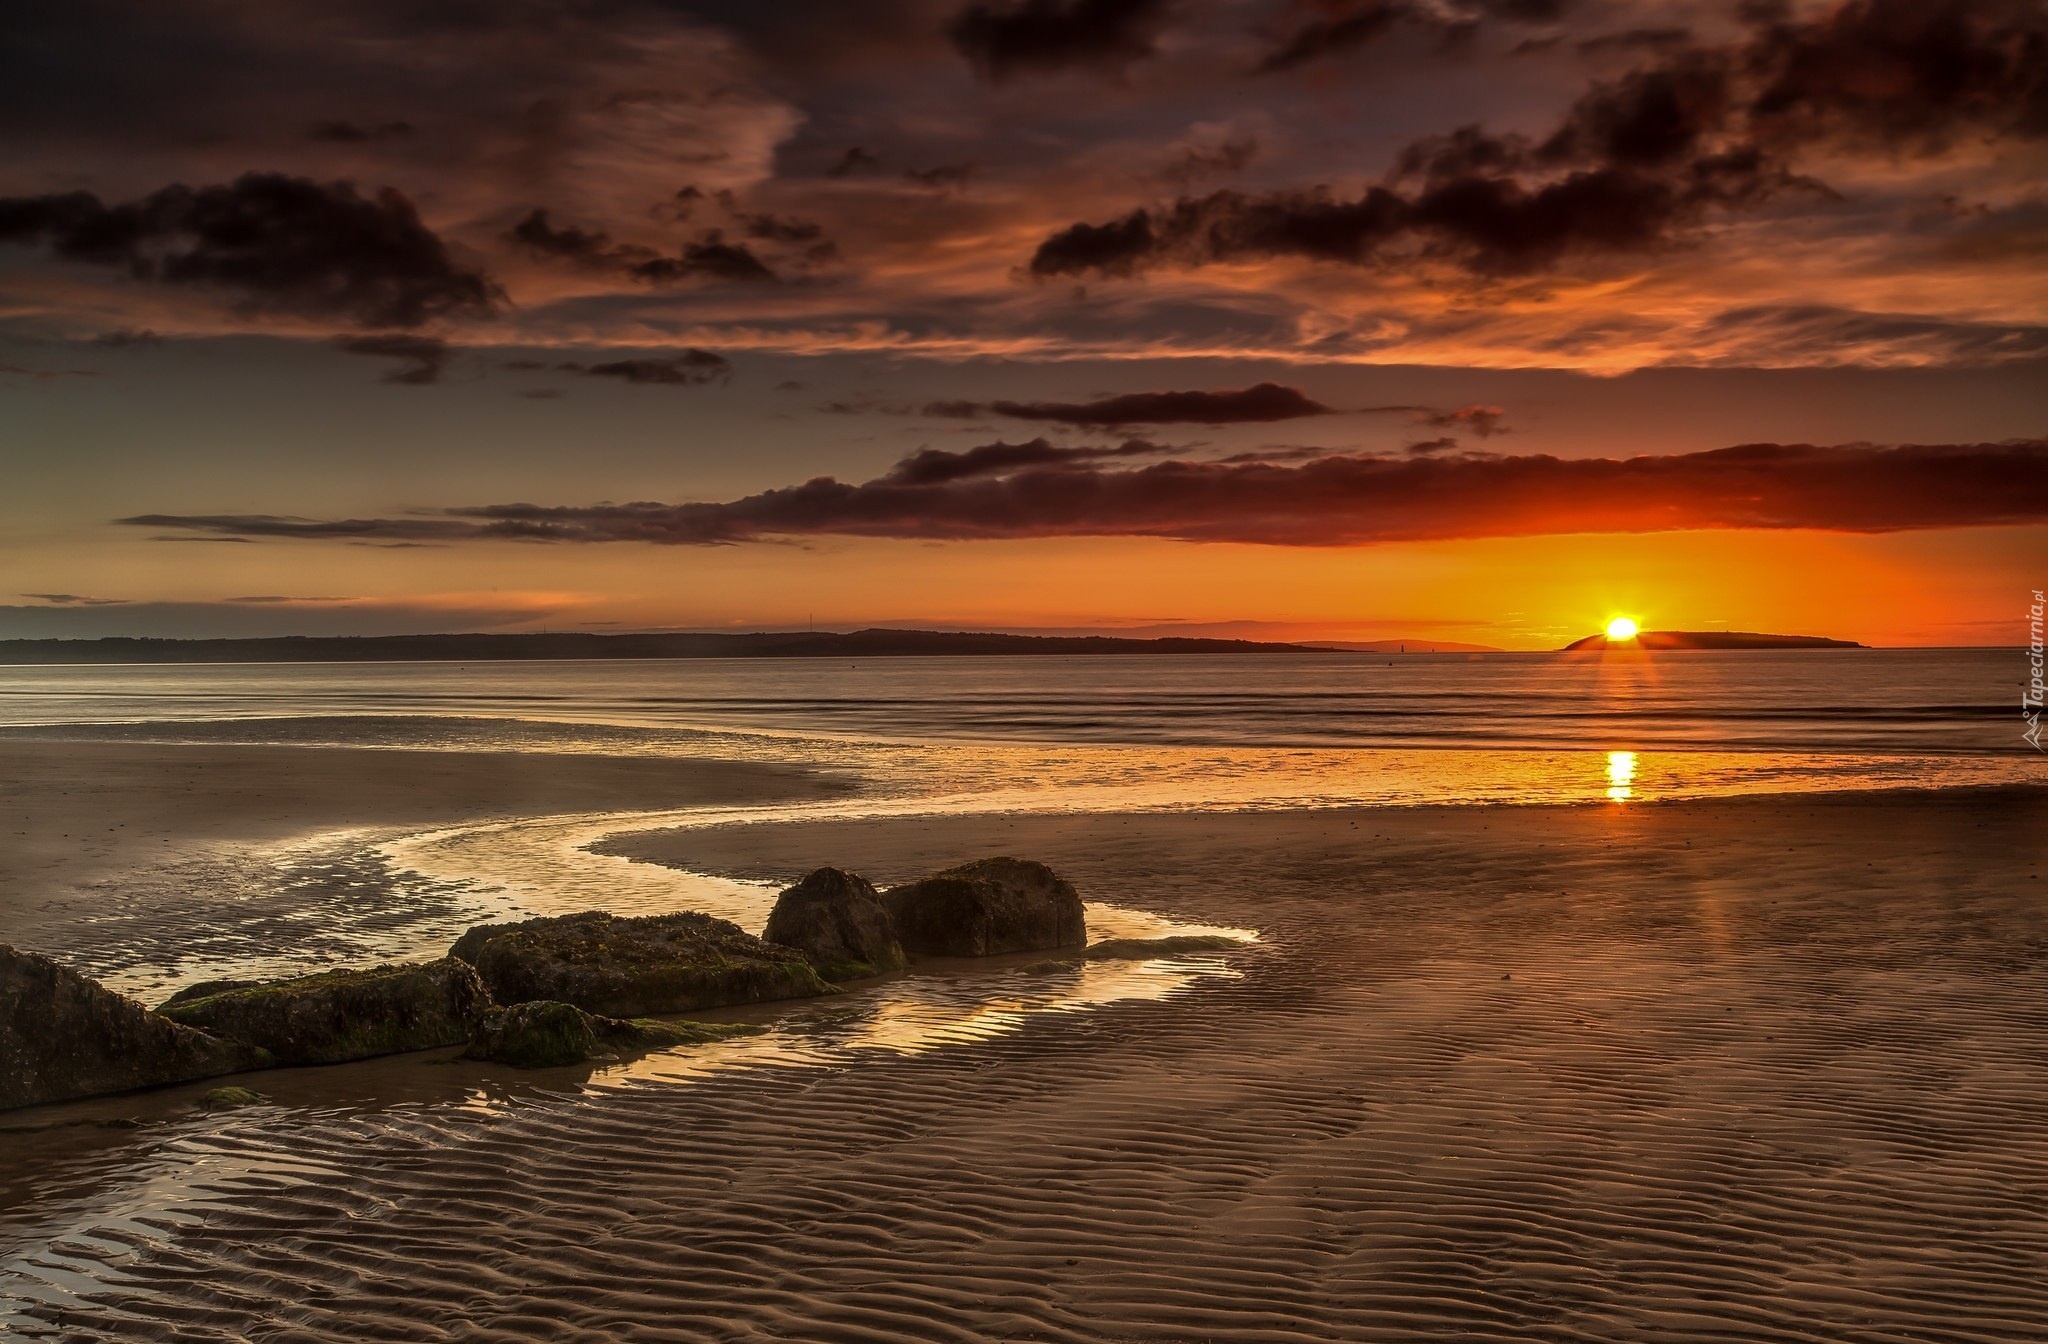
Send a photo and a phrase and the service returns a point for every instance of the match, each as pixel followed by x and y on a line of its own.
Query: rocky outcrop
pixel 341 1015
pixel 837 921
pixel 546 1034
pixel 63 1036
pixel 635 967
pixel 987 907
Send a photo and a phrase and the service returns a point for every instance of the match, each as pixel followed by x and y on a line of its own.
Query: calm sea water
pixel 1171 731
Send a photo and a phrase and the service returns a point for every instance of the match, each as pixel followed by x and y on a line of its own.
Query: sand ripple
pixel 1584 1081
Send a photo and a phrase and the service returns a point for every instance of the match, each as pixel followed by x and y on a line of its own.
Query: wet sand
pixel 1765 1069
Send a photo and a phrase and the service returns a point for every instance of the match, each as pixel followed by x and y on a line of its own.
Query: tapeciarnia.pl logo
pixel 2030 699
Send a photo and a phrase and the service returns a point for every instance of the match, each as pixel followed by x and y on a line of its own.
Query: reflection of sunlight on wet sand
pixel 920 1013
pixel 1621 776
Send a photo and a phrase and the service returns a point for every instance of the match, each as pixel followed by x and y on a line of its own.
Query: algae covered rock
pixel 987 907
pixel 63 1036
pixel 836 919
pixel 1174 945
pixel 545 1034
pixel 341 1015
pixel 230 1099
pixel 634 967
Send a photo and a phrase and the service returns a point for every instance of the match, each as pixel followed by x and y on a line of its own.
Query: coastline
pixel 1649 1071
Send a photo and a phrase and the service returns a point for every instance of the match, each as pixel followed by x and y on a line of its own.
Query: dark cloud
pixel 281 244
pixel 1815 333
pixel 76 600
pixel 1481 421
pixel 688 369
pixel 353 133
pixel 46 375
pixel 708 257
pixel 1263 403
pixel 934 466
pixel 1637 39
pixel 255 526
pixel 1428 446
pixel 854 160
pixel 1346 25
pixel 1197 162
pixel 1339 499
pixel 422 358
pixel 128 338
pixel 944 177
pixel 1637 162
pixel 1006 38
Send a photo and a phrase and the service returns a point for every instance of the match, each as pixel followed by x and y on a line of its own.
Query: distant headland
pixel 535 647
pixel 1710 639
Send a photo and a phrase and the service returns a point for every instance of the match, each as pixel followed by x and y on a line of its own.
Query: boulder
pixel 836 920
pixel 1174 945
pixel 341 1015
pixel 230 1099
pixel 546 1034
pixel 987 907
pixel 634 967
pixel 63 1036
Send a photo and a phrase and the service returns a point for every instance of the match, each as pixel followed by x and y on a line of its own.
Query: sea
pixel 1151 731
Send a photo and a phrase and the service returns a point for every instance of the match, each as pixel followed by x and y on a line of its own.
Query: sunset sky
pixel 1473 320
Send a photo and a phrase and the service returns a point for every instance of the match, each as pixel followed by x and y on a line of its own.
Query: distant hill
pixel 1404 646
pixel 1712 639
pixel 506 648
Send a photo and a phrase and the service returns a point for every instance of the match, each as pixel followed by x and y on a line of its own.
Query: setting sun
pixel 1620 629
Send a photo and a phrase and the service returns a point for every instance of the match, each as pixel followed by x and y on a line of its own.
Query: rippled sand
pixel 1761 1069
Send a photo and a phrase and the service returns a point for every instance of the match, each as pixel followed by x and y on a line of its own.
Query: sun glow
pixel 1621 629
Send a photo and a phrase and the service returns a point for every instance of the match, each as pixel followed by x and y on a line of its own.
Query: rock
pixel 635 967
pixel 837 921
pixel 1138 949
pixel 983 908
pixel 230 1098
pixel 341 1015
pixel 546 1034
pixel 64 1036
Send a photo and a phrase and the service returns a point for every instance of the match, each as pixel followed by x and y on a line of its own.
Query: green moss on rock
pixel 230 1098
pixel 64 1036
pixel 1137 949
pixel 343 1014
pixel 635 967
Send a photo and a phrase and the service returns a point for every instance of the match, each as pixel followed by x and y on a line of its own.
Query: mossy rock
pixel 986 908
pixel 231 1098
pixel 343 1014
pixel 1139 949
pixel 837 921
pixel 63 1036
pixel 545 1034
pixel 635 967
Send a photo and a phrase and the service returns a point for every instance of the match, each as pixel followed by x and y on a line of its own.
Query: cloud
pixel 1783 334
pixel 934 466
pixel 1006 38
pixel 1347 25
pixel 688 369
pixel 76 600
pixel 128 338
pixel 1339 499
pixel 352 133
pixel 1637 162
pixel 1260 404
pixel 708 257
pixel 279 243
pixel 423 358
pixel 46 375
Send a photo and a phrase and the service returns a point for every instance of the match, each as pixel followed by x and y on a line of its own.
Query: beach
pixel 1760 1068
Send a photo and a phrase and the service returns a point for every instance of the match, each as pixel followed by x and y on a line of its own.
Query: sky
pixel 1465 320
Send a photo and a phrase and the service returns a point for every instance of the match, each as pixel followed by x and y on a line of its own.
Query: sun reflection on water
pixel 1621 776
